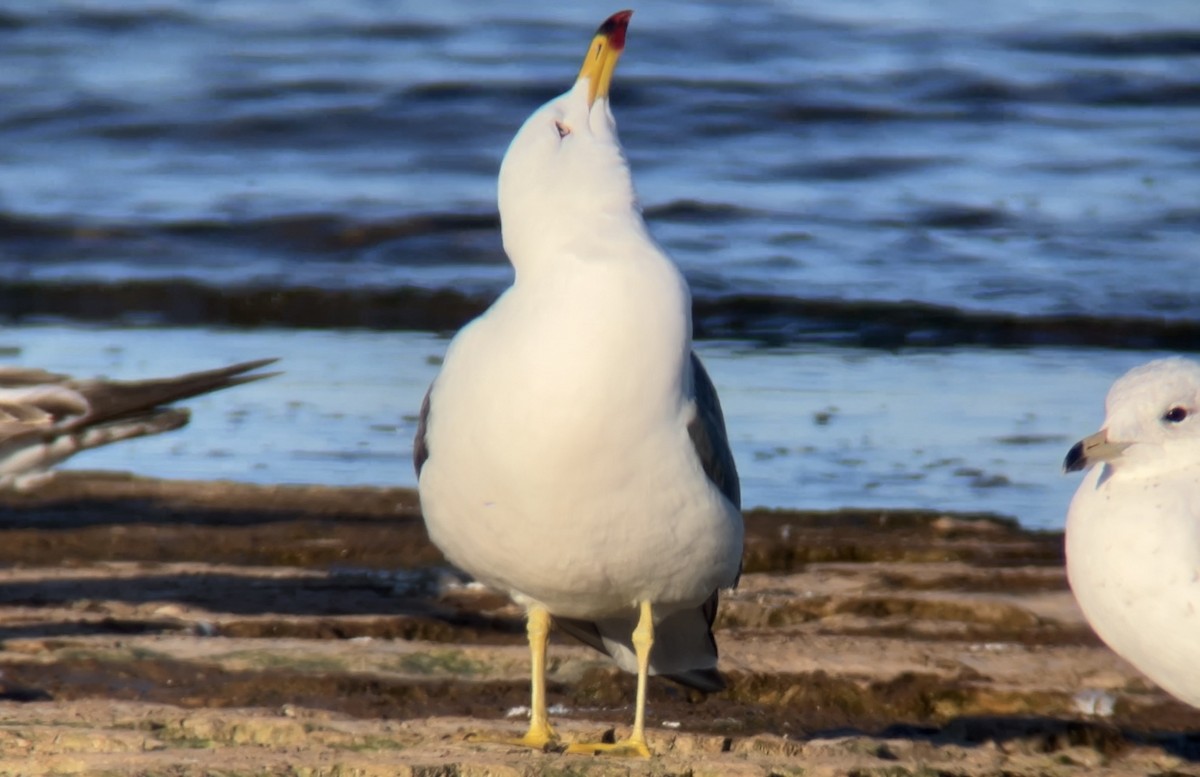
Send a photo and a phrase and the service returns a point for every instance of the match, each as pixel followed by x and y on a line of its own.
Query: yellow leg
pixel 643 640
pixel 538 628
pixel 540 735
pixel 635 745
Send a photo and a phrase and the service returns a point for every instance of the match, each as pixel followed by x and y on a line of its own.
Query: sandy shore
pixel 173 628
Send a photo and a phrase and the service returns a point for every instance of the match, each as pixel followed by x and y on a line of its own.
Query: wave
pixel 313 232
pixel 762 319
pixel 324 232
pixel 1144 43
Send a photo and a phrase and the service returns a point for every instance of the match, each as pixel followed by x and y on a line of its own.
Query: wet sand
pixel 176 628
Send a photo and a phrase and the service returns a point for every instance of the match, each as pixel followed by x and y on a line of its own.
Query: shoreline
pixel 314 630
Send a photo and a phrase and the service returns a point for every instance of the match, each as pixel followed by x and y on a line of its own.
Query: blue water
pixel 812 427
pixel 1027 158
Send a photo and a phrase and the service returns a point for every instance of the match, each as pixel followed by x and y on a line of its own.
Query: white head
pixel 565 168
pixel 1152 412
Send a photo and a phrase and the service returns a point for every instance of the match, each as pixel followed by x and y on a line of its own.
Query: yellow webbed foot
pixel 538 738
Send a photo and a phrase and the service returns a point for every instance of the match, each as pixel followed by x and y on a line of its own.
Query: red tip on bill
pixel 614 29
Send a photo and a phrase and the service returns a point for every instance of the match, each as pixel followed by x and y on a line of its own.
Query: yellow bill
pixel 603 54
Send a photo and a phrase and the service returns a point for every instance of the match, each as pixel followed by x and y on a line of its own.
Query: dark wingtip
pixel 236 374
pixel 1075 459
pixel 703 680
pixel 614 29
pixel 253 365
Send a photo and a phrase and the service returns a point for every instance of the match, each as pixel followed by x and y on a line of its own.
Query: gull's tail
pixel 684 648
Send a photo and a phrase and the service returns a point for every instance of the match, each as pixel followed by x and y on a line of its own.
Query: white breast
pixel 560 465
pixel 1133 561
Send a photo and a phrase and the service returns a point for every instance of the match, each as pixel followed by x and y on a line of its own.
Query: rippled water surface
pixel 1018 156
pixel 811 427
pixel 844 184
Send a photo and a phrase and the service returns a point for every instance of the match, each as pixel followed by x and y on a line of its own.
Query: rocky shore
pixel 192 628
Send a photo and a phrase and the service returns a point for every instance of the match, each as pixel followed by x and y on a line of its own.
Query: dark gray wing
pixel 711 442
pixel 420 445
pixel 707 430
pixel 707 680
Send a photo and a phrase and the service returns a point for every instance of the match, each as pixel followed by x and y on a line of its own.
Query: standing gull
pixel 572 452
pixel 45 417
pixel 1133 528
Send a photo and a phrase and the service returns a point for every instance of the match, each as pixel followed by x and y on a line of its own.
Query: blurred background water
pixel 923 237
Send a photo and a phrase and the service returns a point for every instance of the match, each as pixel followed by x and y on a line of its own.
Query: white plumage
pixel 572 451
pixel 1133 527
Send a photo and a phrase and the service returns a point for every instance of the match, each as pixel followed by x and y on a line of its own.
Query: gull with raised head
pixel 46 417
pixel 571 451
pixel 1133 527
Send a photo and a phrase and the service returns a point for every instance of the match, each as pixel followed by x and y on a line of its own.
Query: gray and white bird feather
pixel 45 417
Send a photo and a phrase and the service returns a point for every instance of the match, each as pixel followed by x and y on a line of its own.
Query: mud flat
pixel 189 628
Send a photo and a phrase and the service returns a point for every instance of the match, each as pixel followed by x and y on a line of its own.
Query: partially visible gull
pixel 1133 528
pixel 572 452
pixel 45 417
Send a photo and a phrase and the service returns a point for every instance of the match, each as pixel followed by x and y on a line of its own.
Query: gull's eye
pixel 563 129
pixel 1175 414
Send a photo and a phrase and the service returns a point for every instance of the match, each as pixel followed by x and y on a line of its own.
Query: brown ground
pixel 171 628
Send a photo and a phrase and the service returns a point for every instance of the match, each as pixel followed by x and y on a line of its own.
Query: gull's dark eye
pixel 563 129
pixel 1175 414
